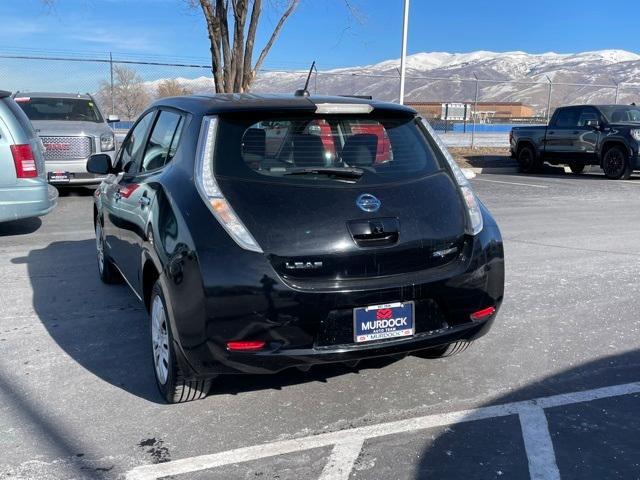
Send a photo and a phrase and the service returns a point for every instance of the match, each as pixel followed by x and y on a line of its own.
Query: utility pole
pixel 549 98
pixel 403 56
pixel 475 112
pixel 113 103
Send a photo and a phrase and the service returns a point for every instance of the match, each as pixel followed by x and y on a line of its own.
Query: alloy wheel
pixel 614 162
pixel 525 159
pixel 160 339
pixel 100 247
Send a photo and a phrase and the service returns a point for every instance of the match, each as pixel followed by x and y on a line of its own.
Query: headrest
pixel 308 151
pixel 360 150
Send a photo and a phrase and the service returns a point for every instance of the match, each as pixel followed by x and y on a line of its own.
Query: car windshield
pixel 622 114
pixel 69 109
pixel 330 147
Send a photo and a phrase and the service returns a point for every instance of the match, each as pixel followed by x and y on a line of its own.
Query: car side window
pixel 163 141
pixel 567 118
pixel 132 146
pixel 587 114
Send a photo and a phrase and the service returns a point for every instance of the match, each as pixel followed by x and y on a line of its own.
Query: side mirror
pixel 113 119
pixel 595 124
pixel 100 164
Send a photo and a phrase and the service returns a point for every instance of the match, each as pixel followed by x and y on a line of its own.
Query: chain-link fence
pixel 466 111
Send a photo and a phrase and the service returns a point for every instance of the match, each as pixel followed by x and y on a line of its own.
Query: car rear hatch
pixel 321 233
pixel 336 200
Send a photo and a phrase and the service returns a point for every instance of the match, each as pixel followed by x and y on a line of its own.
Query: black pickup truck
pixel 604 135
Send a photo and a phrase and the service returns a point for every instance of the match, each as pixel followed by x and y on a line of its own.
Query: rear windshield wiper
pixel 338 172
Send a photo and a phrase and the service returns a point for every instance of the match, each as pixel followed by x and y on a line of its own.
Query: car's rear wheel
pixel 108 273
pixel 169 377
pixel 528 161
pixel 443 350
pixel 577 167
pixel 616 163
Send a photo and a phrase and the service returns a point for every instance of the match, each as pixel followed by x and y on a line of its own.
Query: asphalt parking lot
pixel 552 392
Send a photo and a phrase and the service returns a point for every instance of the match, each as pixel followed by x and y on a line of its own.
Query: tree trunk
pixel 231 67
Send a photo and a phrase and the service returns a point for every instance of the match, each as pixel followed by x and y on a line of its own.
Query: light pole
pixel 549 97
pixel 403 56
pixel 475 112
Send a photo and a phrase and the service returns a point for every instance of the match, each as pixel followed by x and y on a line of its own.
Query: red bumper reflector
pixel 246 345
pixel 482 314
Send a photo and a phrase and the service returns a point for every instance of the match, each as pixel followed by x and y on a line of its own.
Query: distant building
pixel 485 110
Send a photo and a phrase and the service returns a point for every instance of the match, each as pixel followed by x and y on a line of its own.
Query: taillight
pixel 24 161
pixel 211 193
pixel 476 222
pixel 483 314
pixel 246 345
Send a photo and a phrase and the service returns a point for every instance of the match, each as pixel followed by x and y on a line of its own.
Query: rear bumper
pixel 273 361
pixel 212 300
pixel 26 200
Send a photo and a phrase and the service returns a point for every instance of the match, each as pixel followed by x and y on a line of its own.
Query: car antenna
pixel 304 92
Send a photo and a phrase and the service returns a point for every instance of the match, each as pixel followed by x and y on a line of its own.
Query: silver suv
pixel 24 191
pixel 72 128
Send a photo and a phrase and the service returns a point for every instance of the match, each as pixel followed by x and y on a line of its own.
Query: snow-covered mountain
pixel 604 67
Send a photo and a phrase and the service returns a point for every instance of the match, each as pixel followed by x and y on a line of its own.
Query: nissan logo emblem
pixel 368 203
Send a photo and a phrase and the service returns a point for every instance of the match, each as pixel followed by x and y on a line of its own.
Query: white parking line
pixel 348 443
pixel 538 444
pixel 341 461
pixel 511 183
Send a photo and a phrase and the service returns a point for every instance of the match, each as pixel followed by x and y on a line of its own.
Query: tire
pixel 108 272
pixel 528 162
pixel 577 167
pixel 615 163
pixel 173 385
pixel 443 350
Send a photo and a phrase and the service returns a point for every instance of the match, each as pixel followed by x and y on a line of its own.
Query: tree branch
pixel 213 29
pixel 240 16
pixel 221 10
pixel 276 32
pixel 247 76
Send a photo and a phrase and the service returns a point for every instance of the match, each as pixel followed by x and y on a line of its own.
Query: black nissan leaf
pixel 267 232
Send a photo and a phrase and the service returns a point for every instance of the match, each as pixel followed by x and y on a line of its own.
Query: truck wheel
pixel 169 377
pixel 616 163
pixel 577 167
pixel 528 161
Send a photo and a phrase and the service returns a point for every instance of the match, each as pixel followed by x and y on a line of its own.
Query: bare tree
pixel 130 95
pixel 232 53
pixel 171 87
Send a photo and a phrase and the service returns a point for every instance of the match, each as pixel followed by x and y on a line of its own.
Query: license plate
pixel 59 177
pixel 380 322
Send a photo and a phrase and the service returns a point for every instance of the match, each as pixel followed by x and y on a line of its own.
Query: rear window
pixel 311 148
pixel 70 109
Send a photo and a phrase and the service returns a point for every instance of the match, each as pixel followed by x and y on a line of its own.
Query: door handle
pixel 144 201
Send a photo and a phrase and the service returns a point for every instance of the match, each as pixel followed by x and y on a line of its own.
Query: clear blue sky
pixel 323 30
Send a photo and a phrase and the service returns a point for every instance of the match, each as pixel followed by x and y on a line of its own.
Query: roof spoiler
pixel 4 94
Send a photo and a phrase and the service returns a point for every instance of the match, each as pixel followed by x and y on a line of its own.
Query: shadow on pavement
pixel 105 328
pixel 592 440
pixel 20 227
pixel 76 191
